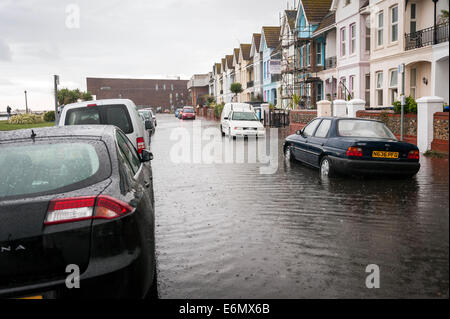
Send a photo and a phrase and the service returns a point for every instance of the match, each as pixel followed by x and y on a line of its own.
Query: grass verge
pixel 5 126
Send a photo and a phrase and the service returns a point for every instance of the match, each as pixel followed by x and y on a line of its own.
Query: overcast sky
pixel 116 38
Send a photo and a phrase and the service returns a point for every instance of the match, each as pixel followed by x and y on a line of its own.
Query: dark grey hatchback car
pixel 75 197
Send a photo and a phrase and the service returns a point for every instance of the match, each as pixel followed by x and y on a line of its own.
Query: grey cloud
pixel 5 51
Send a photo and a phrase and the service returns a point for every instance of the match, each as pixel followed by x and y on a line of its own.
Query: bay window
pixel 379 88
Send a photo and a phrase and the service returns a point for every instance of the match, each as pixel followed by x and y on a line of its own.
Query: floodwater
pixel 228 231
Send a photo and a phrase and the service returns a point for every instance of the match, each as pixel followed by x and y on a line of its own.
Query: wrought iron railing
pixel 426 37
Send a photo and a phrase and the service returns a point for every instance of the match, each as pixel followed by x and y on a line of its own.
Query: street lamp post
pixel 26 102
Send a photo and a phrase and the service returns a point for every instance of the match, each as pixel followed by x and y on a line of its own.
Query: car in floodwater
pixel 352 146
pixel 75 196
pixel 240 120
pixel 119 112
pixel 188 113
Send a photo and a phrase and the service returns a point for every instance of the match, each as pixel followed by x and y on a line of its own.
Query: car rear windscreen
pixel 44 167
pixel 101 115
pixel 361 128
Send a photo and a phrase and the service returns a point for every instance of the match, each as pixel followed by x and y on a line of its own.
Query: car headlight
pixel 236 128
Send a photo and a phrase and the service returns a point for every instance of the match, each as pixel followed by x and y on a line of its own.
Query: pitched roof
pixel 236 55
pixel 229 59
pixel 245 49
pixel 218 68
pixel 315 10
pixel 291 16
pixel 328 21
pixel 272 36
pixel 257 39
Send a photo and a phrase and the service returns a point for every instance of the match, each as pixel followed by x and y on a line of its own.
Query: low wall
pixel 440 132
pixel 299 118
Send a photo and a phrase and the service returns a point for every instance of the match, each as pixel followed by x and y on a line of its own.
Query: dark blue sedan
pixel 352 146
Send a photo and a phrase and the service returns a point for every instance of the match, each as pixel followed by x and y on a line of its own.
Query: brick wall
pixel 142 92
pixel 299 119
pixel 440 132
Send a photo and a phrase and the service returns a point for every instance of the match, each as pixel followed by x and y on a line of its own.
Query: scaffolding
pixel 297 67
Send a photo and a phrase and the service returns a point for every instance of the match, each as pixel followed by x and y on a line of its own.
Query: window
pixel 353 38
pixel 367 90
pixel 104 115
pixel 394 24
pixel 308 55
pixel 171 87
pixel 164 87
pixel 319 91
pixel 52 166
pixel 367 37
pixel 412 83
pixel 311 127
pixel 380 28
pixel 413 22
pixel 156 87
pixel 342 41
pixel 322 130
pixel 364 128
pixel 393 85
pixel 379 88
pixel 319 53
pixel 342 89
pixel 264 70
pixel 351 85
pixel 129 151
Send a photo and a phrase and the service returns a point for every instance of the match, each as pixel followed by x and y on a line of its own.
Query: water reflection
pixel 226 231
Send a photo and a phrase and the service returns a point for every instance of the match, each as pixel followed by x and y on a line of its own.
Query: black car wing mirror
pixel 225 118
pixel 299 132
pixel 146 156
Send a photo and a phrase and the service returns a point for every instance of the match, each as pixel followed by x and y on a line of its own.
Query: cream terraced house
pixel 405 32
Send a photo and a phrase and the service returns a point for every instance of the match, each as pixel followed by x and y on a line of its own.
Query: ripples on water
pixel 226 231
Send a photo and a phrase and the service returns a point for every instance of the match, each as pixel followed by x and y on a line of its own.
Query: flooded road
pixel 227 231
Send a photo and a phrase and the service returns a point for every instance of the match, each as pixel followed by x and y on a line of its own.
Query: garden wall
pixel 440 132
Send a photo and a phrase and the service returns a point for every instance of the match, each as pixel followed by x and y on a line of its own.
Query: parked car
pixel 177 112
pixel 120 112
pixel 241 121
pixel 149 116
pixel 188 113
pixel 81 196
pixel 352 146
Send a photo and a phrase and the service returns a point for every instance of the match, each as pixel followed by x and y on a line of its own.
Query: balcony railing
pixel 426 37
pixel 250 84
pixel 330 63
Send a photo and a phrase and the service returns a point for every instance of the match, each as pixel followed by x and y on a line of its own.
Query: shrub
pixel 49 116
pixel 218 110
pixel 26 119
pixel 410 106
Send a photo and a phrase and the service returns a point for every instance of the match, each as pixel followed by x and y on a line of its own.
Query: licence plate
pixel 383 154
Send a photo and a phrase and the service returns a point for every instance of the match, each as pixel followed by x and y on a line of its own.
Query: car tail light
pixel 140 144
pixel 354 151
pixel 413 155
pixel 83 208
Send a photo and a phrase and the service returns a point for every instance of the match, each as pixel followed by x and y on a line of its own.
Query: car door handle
pixel 147 184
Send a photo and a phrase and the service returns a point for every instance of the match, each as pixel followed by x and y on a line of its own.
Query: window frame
pixel 352 38
pixel 319 126
pixel 379 89
pixel 380 29
pixel 394 24
pixel 343 44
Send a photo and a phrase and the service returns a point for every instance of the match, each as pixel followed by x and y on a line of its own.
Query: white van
pixel 119 112
pixel 239 119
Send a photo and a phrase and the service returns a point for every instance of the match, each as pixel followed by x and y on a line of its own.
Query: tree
pixel 236 88
pixel 66 96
